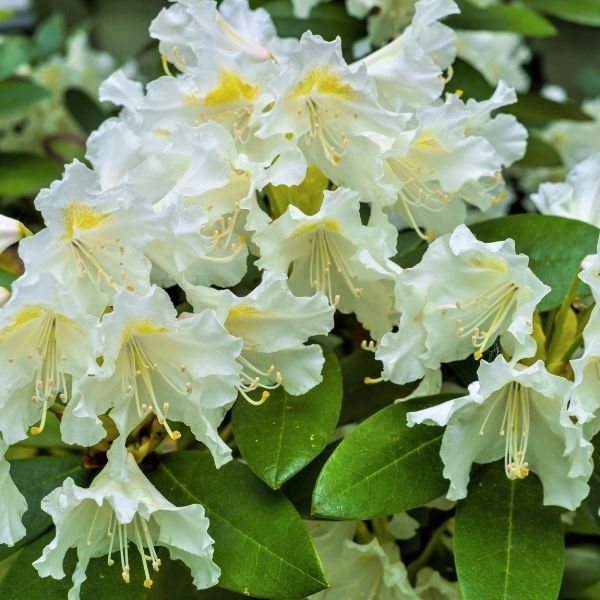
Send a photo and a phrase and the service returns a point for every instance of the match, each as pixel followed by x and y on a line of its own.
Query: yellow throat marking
pixel 79 216
pixel 324 81
pixel 230 90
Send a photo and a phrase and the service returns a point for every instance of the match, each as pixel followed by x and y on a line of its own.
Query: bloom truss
pixel 254 146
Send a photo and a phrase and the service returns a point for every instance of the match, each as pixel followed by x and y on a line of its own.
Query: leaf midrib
pixel 389 465
pixel 241 532
pixel 509 538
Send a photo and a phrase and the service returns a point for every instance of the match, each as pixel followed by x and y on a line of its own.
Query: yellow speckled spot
pixel 490 263
pixel 142 327
pixel 79 216
pixel 328 224
pixel 22 317
pixel 231 89
pixel 324 81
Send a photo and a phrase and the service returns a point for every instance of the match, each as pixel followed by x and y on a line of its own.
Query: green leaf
pixel 280 437
pixel 361 400
pixel 22 581
pixel 26 174
pixel 37 477
pixel 539 154
pixel 14 51
pixel 469 80
pixel 517 19
pixel 506 544
pixel 534 109
pixel 50 35
pixel 410 249
pixel 585 12
pixel 326 20
pixel 85 111
pixel 582 570
pixel 6 278
pixel 549 243
pixel 175 581
pixel 261 543
pixel 299 489
pixel 382 467
pixel 18 94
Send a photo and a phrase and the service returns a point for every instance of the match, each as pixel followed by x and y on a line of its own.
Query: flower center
pixel 325 257
pixel 222 234
pixel 515 428
pixel 485 315
pixel 81 217
pixel 42 335
pixel 416 192
pixel 322 80
pixel 120 535
pixel 140 372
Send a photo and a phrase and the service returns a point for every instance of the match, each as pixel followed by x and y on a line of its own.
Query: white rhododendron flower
pixel 578 197
pixel 189 28
pixel 11 231
pixel 519 413
pixel 585 401
pixel 235 230
pixel 46 345
pixel 591 273
pixel 12 504
pixel 331 110
pixel 92 240
pixel 368 570
pixel 409 70
pixel 497 55
pixel 125 520
pixel 452 159
pixel 576 140
pixel 334 253
pixel 458 300
pixel 274 326
pixel 177 369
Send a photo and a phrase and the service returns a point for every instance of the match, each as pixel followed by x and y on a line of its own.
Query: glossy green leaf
pixel 22 581
pixel 50 35
pixel 507 545
pixel 549 243
pixel 299 489
pixel 361 400
pixel 534 109
pixel 18 94
pixel 37 477
pixel 175 581
pixel 410 248
pixel 261 543
pixel 382 467
pixel 586 12
pixel 539 154
pixel 14 51
pixel 517 19
pixel 26 174
pixel 85 111
pixel 280 437
pixel 469 81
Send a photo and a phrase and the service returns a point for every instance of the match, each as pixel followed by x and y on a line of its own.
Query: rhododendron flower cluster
pixel 232 209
